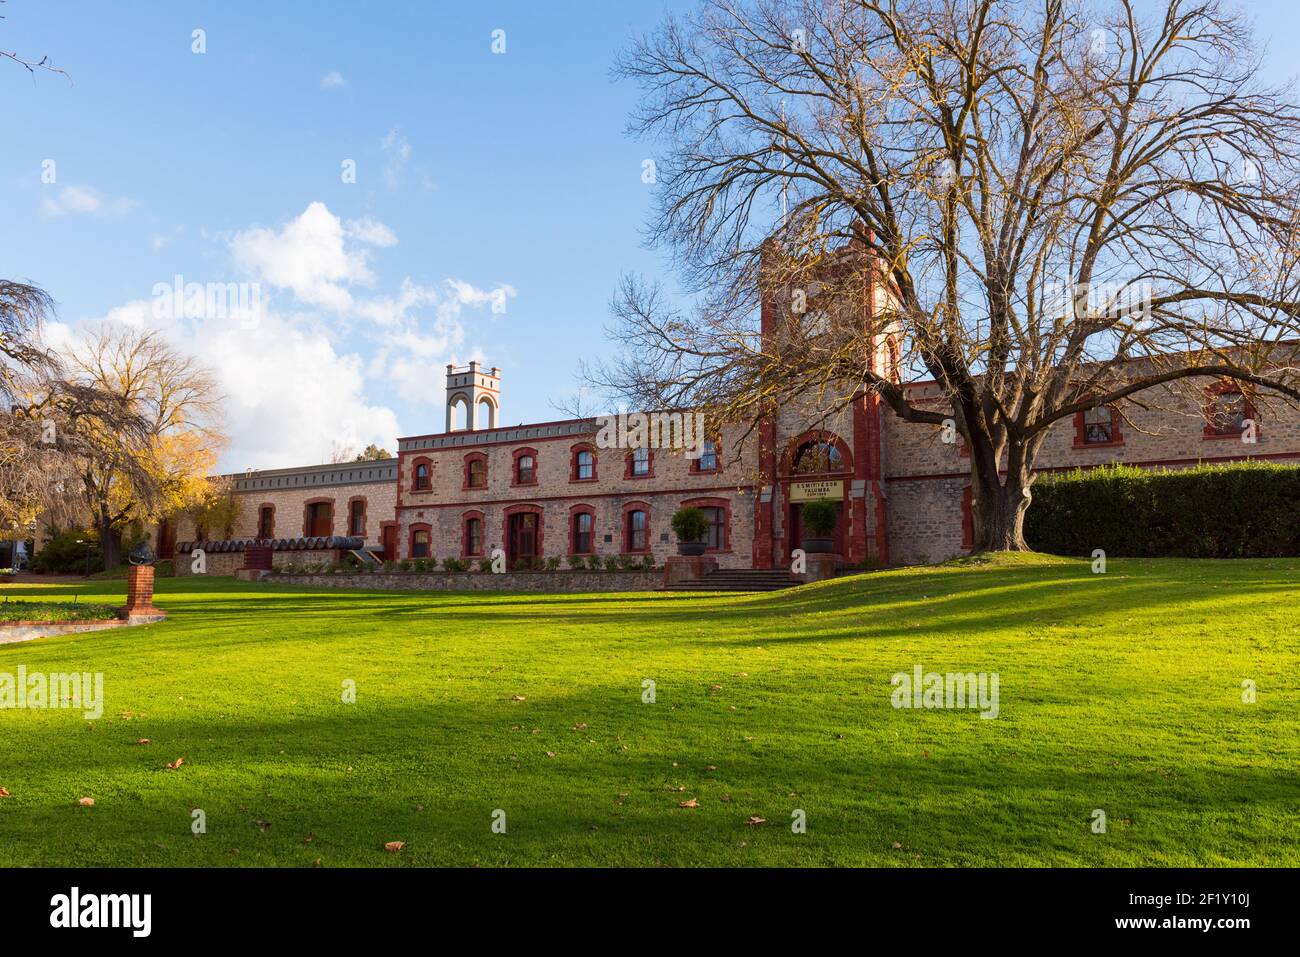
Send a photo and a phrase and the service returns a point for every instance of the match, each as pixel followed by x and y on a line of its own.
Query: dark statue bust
pixel 142 554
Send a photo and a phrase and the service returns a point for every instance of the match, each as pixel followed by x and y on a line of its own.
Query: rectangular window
pixel 717 537
pixel 641 462
pixel 266 522
pixel 1097 426
pixel 582 533
pixel 709 457
pixel 420 545
pixel 474 537
pixel 636 531
pixel 357 518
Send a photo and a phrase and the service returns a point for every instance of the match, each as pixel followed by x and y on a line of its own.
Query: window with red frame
pixel 357 517
pixel 266 522
pixel 525 470
pixel 708 460
pixel 419 543
pixel 477 474
pixel 1098 426
pixel 422 477
pixel 637 532
pixel 584 465
pixel 640 462
pixel 717 536
pixel 473 536
pixel 816 457
pixel 1226 412
pixel 582 533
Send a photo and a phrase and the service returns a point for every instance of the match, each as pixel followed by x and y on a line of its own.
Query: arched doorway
pixel 816 465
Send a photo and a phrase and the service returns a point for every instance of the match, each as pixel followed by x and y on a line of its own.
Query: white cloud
pixel 306 256
pixel 371 231
pixel 82 200
pixel 332 80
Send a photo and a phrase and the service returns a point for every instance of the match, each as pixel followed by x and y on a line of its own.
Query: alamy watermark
pixel 952 690
pixel 652 430
pixel 241 301
pixel 74 690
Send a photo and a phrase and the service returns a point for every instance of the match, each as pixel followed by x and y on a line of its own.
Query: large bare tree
pixel 1062 205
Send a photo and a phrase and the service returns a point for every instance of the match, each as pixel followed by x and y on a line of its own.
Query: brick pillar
pixel 139 592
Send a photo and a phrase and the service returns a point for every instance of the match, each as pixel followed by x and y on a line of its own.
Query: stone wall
pixel 557 494
pixel 558 581
pixel 227 563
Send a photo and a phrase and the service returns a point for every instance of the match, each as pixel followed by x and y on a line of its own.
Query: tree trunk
pixel 110 543
pixel 998 507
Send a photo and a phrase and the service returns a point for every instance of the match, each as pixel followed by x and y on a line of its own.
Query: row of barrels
pixel 345 542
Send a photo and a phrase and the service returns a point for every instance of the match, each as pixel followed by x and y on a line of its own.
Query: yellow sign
pixel 811 491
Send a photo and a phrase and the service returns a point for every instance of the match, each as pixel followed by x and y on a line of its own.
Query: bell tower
pixel 479 391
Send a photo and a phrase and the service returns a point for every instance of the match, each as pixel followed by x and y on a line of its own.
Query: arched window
pixel 476 471
pixel 718 512
pixel 421 477
pixel 1227 409
pixel 640 463
pixel 636 534
pixel 487 414
pixel 817 457
pixel 584 464
pixel 357 517
pixel 583 533
pixel 472 539
pixel 266 521
pixel 708 460
pixel 420 541
pixel 525 467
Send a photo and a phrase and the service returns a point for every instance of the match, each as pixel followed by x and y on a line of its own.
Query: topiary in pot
pixel 691 526
pixel 818 519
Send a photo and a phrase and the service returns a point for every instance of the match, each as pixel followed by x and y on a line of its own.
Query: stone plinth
pixel 819 566
pixel 686 568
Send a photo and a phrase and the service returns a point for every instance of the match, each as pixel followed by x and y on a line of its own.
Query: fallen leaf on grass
pixel 550 754
pixel 754 819
pixel 175 764
pixel 897 846
pixel 144 741
pixel 392 847
pixel 518 697
pixel 263 826
pixel 4 792
pixel 86 802
pixel 693 802
pixel 580 726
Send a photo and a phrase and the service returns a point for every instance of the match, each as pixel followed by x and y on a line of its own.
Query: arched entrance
pixel 816 465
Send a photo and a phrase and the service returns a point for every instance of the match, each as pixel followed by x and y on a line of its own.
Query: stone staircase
pixel 739 579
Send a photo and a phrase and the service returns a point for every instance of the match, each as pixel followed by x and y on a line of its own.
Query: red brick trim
pixel 271 531
pixel 574 512
pixel 475 457
pixel 514 466
pixel 464 533
pixel 573 462
pixel 410 539
pixel 626 531
pixel 365 515
pixel 817 435
pixel 1213 392
pixel 415 467
pixel 1081 432
pixel 650 462
pixel 717 458
pixel 306 515
pixel 582 496
pixel 520 510
pixel 725 505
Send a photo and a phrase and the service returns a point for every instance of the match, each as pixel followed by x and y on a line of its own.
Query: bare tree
pixel 1045 207
pixel 30 65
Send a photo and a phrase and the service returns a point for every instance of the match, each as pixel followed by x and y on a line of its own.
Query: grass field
pixel 1120 692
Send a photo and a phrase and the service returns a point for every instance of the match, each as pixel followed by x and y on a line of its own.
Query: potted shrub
pixel 818 520
pixel 691 526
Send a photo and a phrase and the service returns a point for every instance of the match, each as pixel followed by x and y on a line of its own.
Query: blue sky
pixel 497 199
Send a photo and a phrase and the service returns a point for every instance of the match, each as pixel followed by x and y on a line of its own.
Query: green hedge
pixel 1240 510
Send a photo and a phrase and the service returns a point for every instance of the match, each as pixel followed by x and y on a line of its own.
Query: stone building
pixel 562 489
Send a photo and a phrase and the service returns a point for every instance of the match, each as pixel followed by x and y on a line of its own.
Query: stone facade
pixel 559 581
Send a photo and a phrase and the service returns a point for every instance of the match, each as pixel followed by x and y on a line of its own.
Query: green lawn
pixel 1120 692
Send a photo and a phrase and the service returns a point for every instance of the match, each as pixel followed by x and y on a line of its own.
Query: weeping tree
pixel 1043 207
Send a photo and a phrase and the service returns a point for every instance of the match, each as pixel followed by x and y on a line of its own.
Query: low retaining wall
pixel 557 581
pixel 227 563
pixel 12 631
